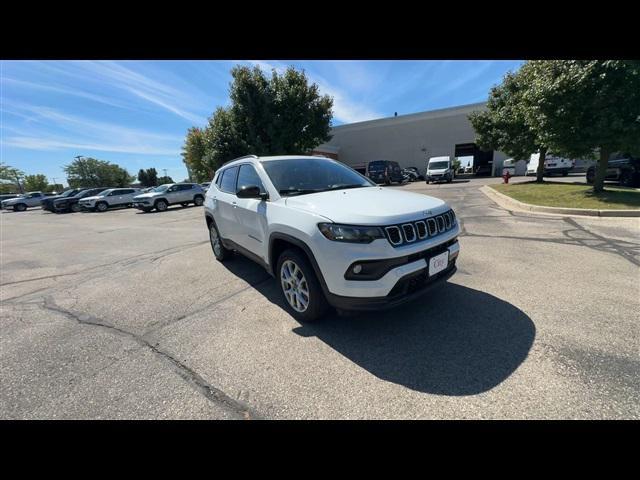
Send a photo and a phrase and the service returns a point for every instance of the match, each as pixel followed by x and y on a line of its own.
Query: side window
pixel 114 193
pixel 228 182
pixel 185 187
pixel 248 176
pixel 219 179
pixel 126 192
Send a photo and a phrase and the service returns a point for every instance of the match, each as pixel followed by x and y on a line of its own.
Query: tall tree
pixel 506 124
pixel 152 176
pixel 90 172
pixel 276 115
pixel 587 106
pixel 193 152
pixel 37 182
pixel 12 175
pixel 143 178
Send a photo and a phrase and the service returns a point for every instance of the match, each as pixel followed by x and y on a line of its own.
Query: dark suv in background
pixel 622 167
pixel 70 204
pixel 385 171
pixel 47 203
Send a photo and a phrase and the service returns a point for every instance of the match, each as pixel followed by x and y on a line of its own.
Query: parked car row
pixel 101 199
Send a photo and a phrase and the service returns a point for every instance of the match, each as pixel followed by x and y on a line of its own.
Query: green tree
pixel 193 152
pixel 587 106
pixel 164 180
pixel 507 123
pixel 143 178
pixel 90 172
pixel 56 187
pixel 276 115
pixel 37 182
pixel 148 177
pixel 12 175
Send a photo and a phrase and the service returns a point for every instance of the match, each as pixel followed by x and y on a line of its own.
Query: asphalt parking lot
pixel 127 315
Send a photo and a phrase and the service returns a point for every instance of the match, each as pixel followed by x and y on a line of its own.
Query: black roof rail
pixel 239 158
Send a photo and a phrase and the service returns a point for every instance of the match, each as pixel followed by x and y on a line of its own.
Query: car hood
pixel 11 201
pixel 91 199
pixel 368 206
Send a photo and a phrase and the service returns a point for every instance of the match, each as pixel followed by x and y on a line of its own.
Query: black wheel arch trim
pixel 305 248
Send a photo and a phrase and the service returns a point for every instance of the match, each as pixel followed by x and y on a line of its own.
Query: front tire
pixel 75 208
pixel 101 207
pixel 20 207
pixel 161 205
pixel 219 251
pixel 300 287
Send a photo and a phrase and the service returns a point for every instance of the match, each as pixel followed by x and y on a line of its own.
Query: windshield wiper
pixel 297 191
pixel 345 186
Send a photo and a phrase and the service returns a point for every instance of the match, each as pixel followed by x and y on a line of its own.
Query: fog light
pixel 357 269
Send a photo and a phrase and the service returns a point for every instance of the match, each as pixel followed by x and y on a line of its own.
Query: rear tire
pixel 219 250
pixel 198 200
pixel 298 283
pixel 161 205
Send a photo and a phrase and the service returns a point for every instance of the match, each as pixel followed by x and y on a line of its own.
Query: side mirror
pixel 251 191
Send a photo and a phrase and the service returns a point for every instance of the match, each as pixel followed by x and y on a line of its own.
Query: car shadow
pixel 453 341
pixel 170 208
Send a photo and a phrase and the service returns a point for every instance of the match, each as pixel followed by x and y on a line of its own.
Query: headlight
pixel 350 233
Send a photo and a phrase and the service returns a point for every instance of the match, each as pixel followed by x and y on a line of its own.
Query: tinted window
pixel 228 182
pixel 185 187
pixel 116 192
pixel 248 176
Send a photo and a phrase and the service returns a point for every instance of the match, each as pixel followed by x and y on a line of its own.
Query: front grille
pixel 421 229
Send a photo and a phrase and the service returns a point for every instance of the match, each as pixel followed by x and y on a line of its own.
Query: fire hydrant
pixel 506 175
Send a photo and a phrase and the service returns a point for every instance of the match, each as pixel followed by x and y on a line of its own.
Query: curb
pixel 507 202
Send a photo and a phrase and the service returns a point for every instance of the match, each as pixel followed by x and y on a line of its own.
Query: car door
pixel 186 193
pixel 224 201
pixel 172 194
pixel 250 212
pixel 115 198
pixel 127 196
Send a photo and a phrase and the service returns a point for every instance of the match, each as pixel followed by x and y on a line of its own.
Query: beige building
pixel 412 139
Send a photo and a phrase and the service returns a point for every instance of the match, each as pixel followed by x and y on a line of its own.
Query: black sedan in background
pixel 70 203
pixel 47 203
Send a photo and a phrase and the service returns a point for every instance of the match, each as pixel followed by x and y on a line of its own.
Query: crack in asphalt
pixel 192 377
pixel 155 326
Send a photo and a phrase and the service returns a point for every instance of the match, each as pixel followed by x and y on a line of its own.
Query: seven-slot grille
pixel 419 230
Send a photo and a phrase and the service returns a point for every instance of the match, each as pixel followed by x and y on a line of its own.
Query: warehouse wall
pixel 403 138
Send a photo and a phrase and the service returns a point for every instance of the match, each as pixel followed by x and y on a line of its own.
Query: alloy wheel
pixel 295 286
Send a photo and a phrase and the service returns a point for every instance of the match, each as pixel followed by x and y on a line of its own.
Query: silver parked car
pixel 170 194
pixel 113 197
pixel 21 203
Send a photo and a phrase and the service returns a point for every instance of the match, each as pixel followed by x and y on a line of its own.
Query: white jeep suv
pixel 329 235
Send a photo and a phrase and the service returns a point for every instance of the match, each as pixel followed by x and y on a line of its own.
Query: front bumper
pixel 141 205
pixel 409 288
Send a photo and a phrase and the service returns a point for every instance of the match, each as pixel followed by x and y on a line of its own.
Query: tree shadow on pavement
pixel 453 341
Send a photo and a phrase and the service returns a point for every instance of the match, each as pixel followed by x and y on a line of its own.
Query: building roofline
pixel 412 117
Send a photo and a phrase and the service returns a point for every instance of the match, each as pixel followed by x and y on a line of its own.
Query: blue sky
pixel 136 113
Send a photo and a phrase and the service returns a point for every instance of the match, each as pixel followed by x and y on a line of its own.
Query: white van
pixel 552 165
pixel 439 169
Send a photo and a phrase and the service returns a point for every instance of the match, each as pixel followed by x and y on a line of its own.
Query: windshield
pixel 68 193
pixel 161 188
pixel 438 165
pixel 307 175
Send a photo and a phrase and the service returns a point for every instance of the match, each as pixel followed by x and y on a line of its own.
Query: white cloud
pixel 345 109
